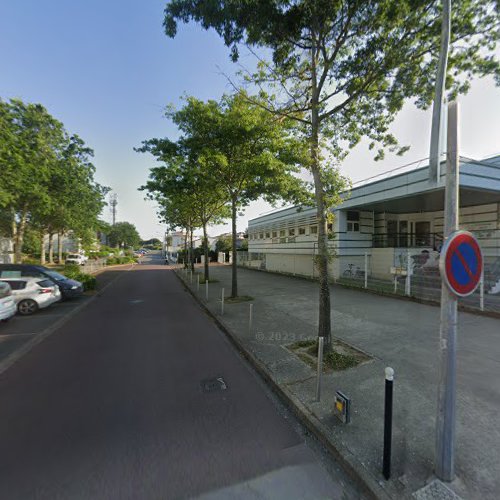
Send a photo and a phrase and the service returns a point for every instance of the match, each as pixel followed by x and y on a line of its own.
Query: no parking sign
pixel 461 263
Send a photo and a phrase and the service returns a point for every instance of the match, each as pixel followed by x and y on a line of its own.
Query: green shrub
pixel 73 272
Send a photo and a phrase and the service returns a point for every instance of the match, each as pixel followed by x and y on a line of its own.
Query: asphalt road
pixel 116 405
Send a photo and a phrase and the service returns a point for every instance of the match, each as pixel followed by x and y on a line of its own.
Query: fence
pixel 415 273
pixel 403 271
pixel 93 266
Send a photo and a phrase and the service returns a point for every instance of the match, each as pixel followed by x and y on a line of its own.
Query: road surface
pixel 123 402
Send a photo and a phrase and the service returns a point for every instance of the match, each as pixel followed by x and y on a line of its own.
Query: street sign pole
pixel 437 108
pixel 445 421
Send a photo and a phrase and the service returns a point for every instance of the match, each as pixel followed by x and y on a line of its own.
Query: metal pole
pixel 366 270
pixel 395 283
pixel 320 368
pixel 389 378
pixel 481 292
pixel 445 420
pixel 222 303
pixel 250 317
pixel 206 290
pixel 197 282
pixel 408 274
pixel 437 109
pixel 191 276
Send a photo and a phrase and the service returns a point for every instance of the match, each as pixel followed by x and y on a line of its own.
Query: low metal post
pixel 197 282
pixel 250 317
pixel 366 270
pixel 320 368
pixel 408 274
pixel 206 290
pixel 481 292
pixel 395 283
pixel 389 378
pixel 191 276
pixel 222 303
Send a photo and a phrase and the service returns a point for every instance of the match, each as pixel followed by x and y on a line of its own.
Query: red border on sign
pixel 460 238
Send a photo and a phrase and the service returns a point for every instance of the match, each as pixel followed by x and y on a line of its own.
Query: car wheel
pixel 26 307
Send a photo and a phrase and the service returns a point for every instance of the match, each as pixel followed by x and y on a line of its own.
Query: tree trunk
pixel 234 282
pixel 191 250
pixel 324 320
pixel 205 246
pixel 42 248
pixel 186 249
pixel 59 247
pixel 20 229
pixel 51 247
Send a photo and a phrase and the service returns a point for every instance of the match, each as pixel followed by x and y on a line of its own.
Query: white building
pixel 381 222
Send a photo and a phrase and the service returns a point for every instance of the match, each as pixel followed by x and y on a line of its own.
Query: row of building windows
pixel 301 231
pixel 352 226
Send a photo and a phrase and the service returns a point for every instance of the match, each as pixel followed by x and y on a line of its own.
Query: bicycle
pixel 356 273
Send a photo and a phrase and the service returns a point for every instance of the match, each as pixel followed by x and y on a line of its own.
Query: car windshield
pixel 55 275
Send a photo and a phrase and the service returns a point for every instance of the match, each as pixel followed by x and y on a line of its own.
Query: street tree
pixel 343 70
pixel 246 152
pixel 124 235
pixel 186 174
pixel 34 141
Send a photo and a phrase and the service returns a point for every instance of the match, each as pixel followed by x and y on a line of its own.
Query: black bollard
pixel 389 377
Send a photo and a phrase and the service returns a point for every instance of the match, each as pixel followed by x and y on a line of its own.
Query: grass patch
pixel 341 357
pixel 236 300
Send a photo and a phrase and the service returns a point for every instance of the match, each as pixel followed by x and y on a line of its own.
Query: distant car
pixel 7 304
pixel 76 258
pixel 69 288
pixel 31 294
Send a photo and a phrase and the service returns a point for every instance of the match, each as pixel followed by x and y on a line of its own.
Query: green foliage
pixel 47 182
pixel 224 244
pixel 342 70
pixel 124 234
pixel 126 259
pixel 74 272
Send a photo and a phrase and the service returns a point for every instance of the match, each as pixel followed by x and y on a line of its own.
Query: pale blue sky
pixel 106 70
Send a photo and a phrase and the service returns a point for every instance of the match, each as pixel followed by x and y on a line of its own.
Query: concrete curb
pixel 15 356
pixel 352 466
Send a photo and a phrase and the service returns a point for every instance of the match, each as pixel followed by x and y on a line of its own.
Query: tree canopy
pixel 47 179
pixel 343 70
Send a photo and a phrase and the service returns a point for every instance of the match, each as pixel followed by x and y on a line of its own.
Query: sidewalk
pixel 396 333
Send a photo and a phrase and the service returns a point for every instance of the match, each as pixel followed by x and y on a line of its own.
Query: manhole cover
pixel 213 384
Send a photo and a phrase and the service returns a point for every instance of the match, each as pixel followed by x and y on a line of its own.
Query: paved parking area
pixel 21 329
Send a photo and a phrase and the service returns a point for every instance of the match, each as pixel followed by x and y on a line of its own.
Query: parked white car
pixel 76 258
pixel 31 294
pixel 7 304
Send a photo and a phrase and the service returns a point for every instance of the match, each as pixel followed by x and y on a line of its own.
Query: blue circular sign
pixel 461 263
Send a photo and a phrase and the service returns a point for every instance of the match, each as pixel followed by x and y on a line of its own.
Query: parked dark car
pixel 69 288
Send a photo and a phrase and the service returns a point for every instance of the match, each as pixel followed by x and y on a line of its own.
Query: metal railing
pixel 407 240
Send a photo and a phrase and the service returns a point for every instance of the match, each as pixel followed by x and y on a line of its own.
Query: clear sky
pixel 106 70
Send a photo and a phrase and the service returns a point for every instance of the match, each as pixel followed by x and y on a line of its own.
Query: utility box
pixel 342 407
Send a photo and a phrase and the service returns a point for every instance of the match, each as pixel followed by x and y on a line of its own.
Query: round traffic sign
pixel 461 263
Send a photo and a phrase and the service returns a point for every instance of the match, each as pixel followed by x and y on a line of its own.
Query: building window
pixel 314 229
pixel 268 234
pixel 282 233
pixel 302 230
pixel 261 236
pixel 275 234
pixel 291 232
pixel 352 221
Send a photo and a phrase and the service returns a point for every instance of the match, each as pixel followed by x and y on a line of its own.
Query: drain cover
pixel 213 384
